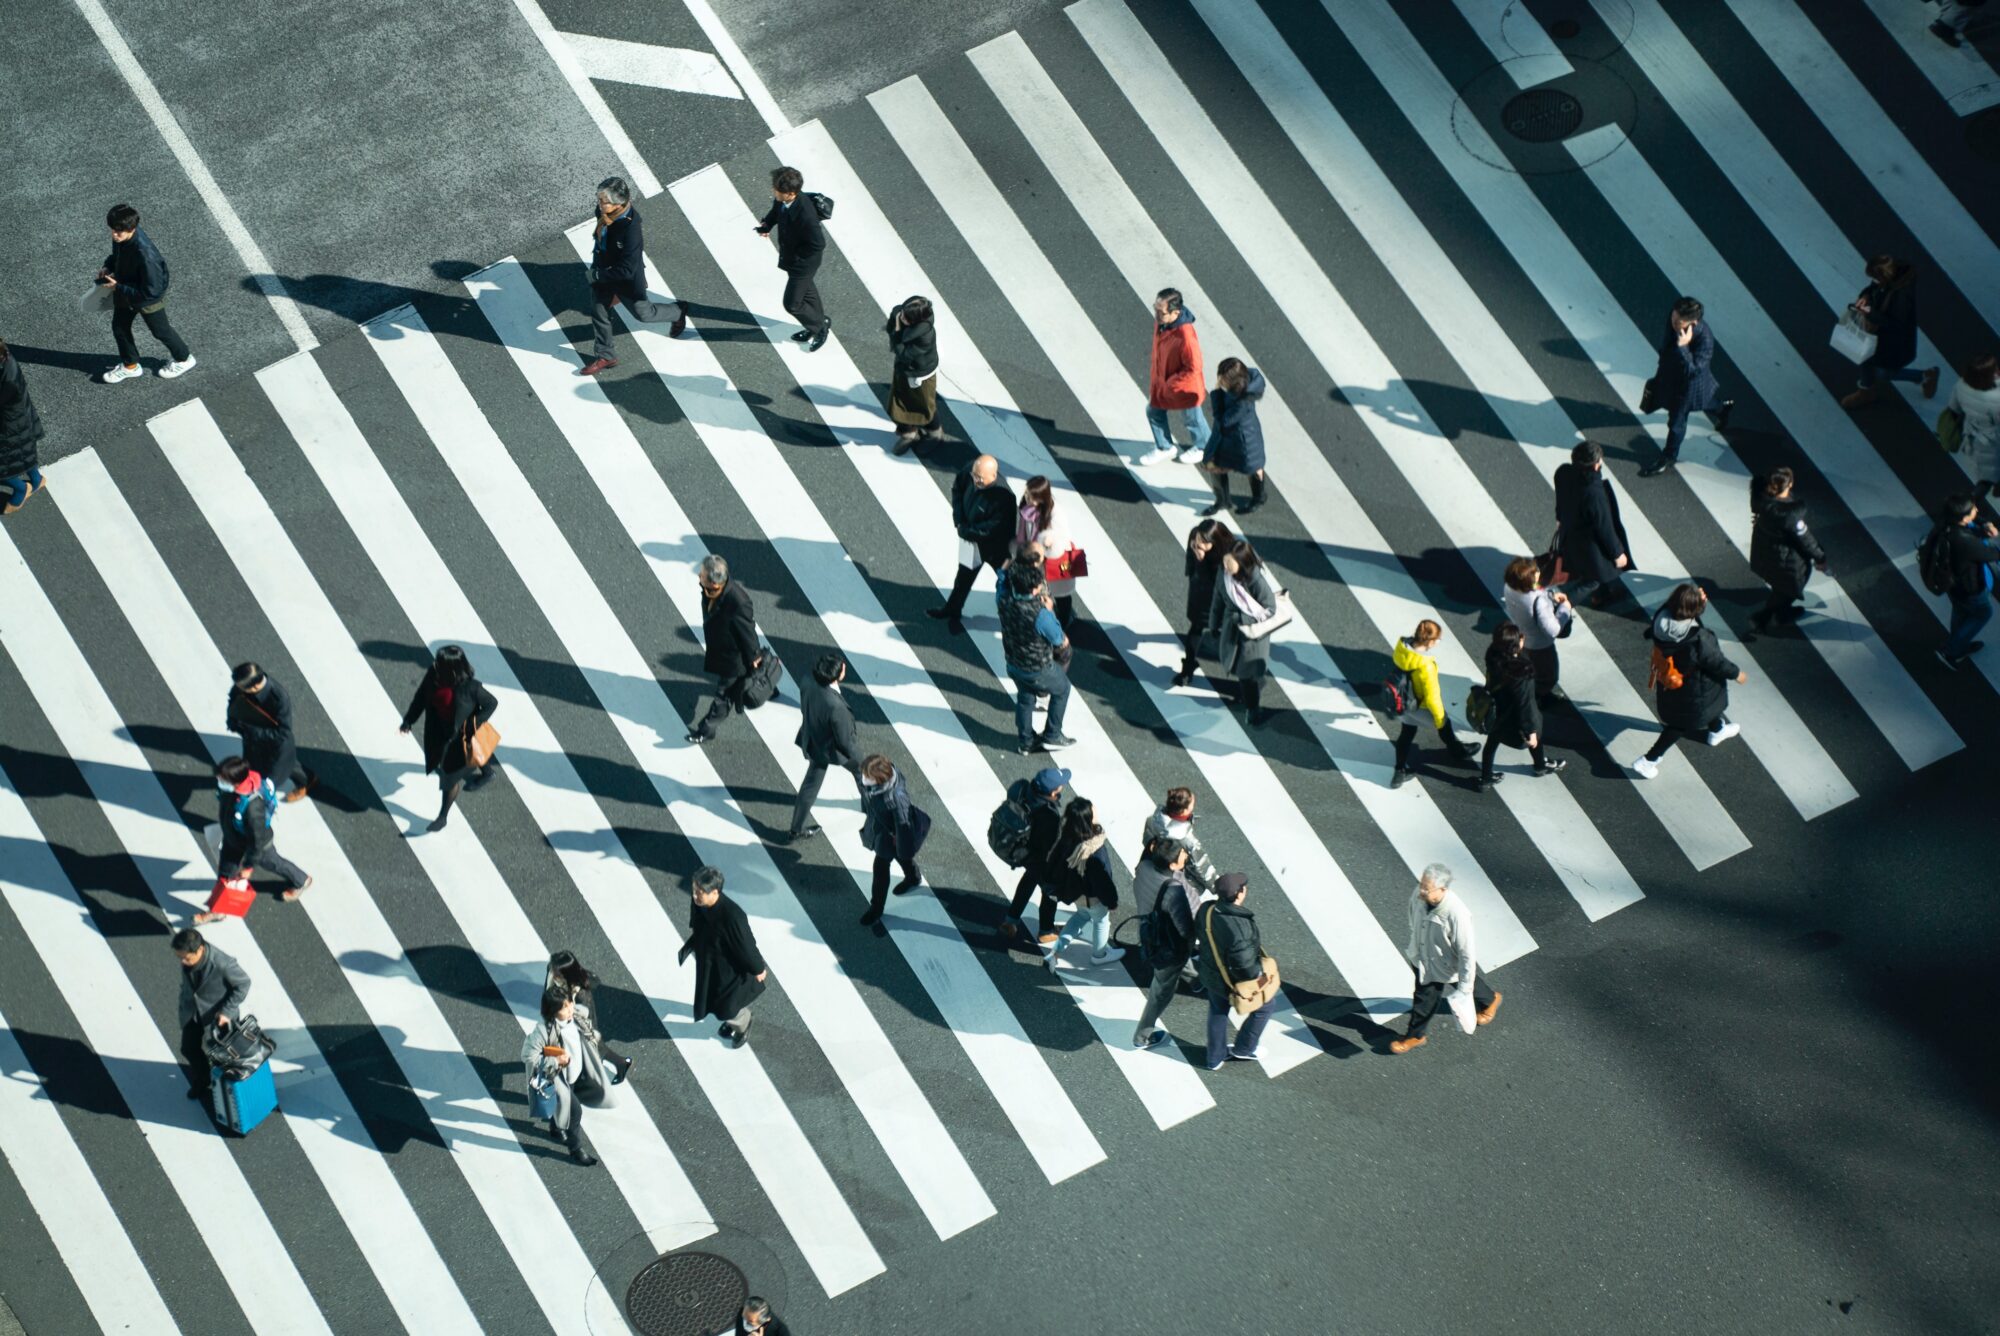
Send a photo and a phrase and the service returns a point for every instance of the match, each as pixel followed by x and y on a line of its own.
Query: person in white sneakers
pixel 1690 678
pixel 1176 384
pixel 136 273
pixel 1084 867
pixel 1441 956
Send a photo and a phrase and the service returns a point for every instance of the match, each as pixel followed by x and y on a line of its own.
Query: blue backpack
pixel 268 792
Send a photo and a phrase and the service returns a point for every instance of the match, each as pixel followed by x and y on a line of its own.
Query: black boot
pixel 1257 483
pixel 1219 484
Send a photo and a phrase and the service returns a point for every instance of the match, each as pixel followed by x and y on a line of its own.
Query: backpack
pixel 1401 690
pixel 1160 943
pixel 268 792
pixel 1934 559
pixel 1008 829
pixel 1479 707
pixel 762 684
pixel 823 204
pixel 1951 430
pixel 1664 674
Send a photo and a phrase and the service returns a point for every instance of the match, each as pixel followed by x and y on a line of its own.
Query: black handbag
pixel 762 684
pixel 239 1050
pixel 1649 396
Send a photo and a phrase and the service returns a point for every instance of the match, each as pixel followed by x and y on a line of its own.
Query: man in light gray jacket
pixel 213 987
pixel 1440 952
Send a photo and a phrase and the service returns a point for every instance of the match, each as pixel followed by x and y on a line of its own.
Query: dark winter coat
pixel 1096 878
pixel 1242 657
pixel 1026 650
pixel 618 252
pixel 20 425
pixel 445 736
pixel 1684 382
pixel 1591 534
pixel 1238 442
pixel 983 516
pixel 1044 833
pixel 1704 692
pixel 1971 552
pixel 1231 931
pixel 213 986
pixel 726 959
pixel 800 236
pixel 826 727
pixel 890 823
pixel 915 347
pixel 263 719
pixel 1783 548
pixel 1201 584
pixel 729 632
pixel 140 271
pixel 1892 315
pixel 1516 713
pixel 241 848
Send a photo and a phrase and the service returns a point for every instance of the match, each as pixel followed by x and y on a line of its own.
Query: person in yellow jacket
pixel 1416 681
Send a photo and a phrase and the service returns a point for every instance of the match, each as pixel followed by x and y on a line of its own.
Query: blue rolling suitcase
pixel 242 1102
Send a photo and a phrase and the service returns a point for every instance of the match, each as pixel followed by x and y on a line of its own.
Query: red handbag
pixel 1071 565
pixel 231 896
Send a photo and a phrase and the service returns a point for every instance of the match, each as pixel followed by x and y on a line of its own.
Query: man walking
pixel 1441 956
pixel 1161 892
pixel 795 218
pixel 1045 793
pixel 246 800
pixel 1969 553
pixel 261 714
pixel 982 513
pixel 1231 953
pixel 1590 536
pixel 730 649
pixel 728 971
pixel 213 987
pixel 826 736
pixel 1176 383
pixel 1783 551
pixel 20 428
pixel 136 273
pixel 618 274
pixel 1032 638
pixel 1174 820
pixel 1683 383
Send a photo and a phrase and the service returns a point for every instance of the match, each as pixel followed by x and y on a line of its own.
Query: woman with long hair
pixel 1036 521
pixel 452 704
pixel 1237 445
pixel 1084 865
pixel 1515 719
pixel 1207 544
pixel 1244 595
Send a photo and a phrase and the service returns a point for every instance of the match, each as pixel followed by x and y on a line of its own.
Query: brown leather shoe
pixel 1490 1010
pixel 1047 939
pixel 1401 1046
pixel 1862 397
pixel 302 790
pixel 679 327
pixel 601 364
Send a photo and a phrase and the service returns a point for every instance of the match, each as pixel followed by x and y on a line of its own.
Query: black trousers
pixel 878 891
pixel 802 301
pixel 1669 736
pixel 809 791
pixel 1780 605
pixel 280 766
pixel 1492 746
pixel 1046 915
pixel 193 1055
pixel 156 321
pixel 1424 1005
pixel 728 699
pixel 1406 742
pixel 1548 671
pixel 961 586
pixel 634 297
pixel 583 1088
pixel 1190 649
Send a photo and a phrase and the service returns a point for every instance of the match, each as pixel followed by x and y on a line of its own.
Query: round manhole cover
pixel 686 1294
pixel 1542 116
pixel 1982 134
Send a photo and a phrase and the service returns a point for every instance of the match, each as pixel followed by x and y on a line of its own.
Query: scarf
pixel 1245 601
pixel 1083 852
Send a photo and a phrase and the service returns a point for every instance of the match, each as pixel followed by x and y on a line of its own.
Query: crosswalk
pixel 1436 333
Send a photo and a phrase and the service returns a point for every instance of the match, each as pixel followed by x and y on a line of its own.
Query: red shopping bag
pixel 231 896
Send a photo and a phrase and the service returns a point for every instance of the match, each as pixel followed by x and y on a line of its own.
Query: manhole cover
pixel 686 1294
pixel 1982 134
pixel 1565 30
pixel 1542 116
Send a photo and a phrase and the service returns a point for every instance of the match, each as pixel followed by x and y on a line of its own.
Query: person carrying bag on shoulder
pixel 1235 972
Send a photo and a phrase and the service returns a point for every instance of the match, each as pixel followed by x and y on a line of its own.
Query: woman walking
pixel 453 706
pixel 1412 657
pixel 1543 616
pixel 893 828
pixel 1088 883
pixel 1516 719
pixel 20 428
pixel 1690 678
pixel 561 1057
pixel 1237 445
pixel 913 396
pixel 566 975
pixel 1887 308
pixel 1207 544
pixel 1036 522
pixel 1244 596
pixel 1783 550
pixel 1977 399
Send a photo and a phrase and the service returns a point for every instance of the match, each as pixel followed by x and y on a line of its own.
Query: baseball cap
pixel 1051 778
pixel 1229 883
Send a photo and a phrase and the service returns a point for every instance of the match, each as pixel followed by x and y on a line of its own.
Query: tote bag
pixel 1850 340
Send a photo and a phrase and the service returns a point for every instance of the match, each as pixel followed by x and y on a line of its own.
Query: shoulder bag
pixel 480 744
pixel 1951 429
pixel 1851 340
pixel 1070 565
pixel 1245 995
pixel 1281 616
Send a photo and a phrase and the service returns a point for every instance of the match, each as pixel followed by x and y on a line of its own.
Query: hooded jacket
pixel 1783 549
pixel 1176 380
pixel 1705 674
pixel 1238 442
pixel 1516 713
pixel 1423 671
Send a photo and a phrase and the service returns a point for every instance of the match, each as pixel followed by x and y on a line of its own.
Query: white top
pixel 1982 428
pixel 1440 943
pixel 1055 541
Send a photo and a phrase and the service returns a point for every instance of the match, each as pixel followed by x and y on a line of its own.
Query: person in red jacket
pixel 1177 381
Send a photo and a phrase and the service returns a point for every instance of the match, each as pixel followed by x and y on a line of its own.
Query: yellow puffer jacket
pixel 1423 671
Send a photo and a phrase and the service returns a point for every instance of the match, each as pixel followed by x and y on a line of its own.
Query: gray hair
pixel 614 189
pixel 707 880
pixel 714 568
pixel 759 1307
pixel 1438 875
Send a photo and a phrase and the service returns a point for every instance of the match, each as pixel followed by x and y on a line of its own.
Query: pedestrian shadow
pixel 87 363
pixel 67 1072
pixel 361 300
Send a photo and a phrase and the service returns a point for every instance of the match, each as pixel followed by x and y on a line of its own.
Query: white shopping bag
pixel 1851 341
pixel 98 298
pixel 1461 1007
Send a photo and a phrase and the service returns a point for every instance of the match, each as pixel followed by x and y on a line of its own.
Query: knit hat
pixel 1228 884
pixel 1050 779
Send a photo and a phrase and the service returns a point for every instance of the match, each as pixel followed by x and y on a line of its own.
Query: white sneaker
pixel 1723 734
pixel 1160 456
pixel 172 369
pixel 1107 956
pixel 1187 454
pixel 1646 767
pixel 118 371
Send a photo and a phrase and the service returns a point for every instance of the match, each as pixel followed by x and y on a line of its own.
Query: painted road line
pixel 677 69
pixel 397 1001
pixel 1625 356
pixel 570 65
pixel 54 1176
pixel 1960 73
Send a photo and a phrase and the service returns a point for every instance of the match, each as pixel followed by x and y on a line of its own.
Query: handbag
pixel 1071 565
pixel 762 683
pixel 1850 340
pixel 1245 995
pixel 1281 616
pixel 1550 561
pixel 231 896
pixel 480 745
pixel 1649 395
pixel 542 1099
pixel 1951 430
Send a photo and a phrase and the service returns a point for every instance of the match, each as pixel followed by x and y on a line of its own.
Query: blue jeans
pixel 1969 613
pixel 1870 373
pixel 17 488
pixel 1197 426
pixel 1246 1037
pixel 1051 679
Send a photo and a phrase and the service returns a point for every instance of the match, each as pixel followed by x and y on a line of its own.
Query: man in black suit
pixel 260 713
pixel 729 628
pixel 795 217
pixel 826 736
pixel 983 512
pixel 618 273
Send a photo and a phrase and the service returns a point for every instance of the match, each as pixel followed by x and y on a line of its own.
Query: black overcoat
pixel 444 738
pixel 726 960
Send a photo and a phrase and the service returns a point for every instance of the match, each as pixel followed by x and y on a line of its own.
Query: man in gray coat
pixel 213 987
pixel 1440 953
pixel 826 736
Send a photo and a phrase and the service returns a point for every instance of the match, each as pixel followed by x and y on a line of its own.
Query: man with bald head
pixel 982 509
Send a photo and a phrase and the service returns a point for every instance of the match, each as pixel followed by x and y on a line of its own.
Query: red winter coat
pixel 1177 381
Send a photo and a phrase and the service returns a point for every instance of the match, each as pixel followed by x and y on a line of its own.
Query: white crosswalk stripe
pixel 1550 854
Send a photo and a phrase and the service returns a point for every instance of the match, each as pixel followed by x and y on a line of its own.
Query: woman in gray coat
pixel 563 1052
pixel 1244 595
